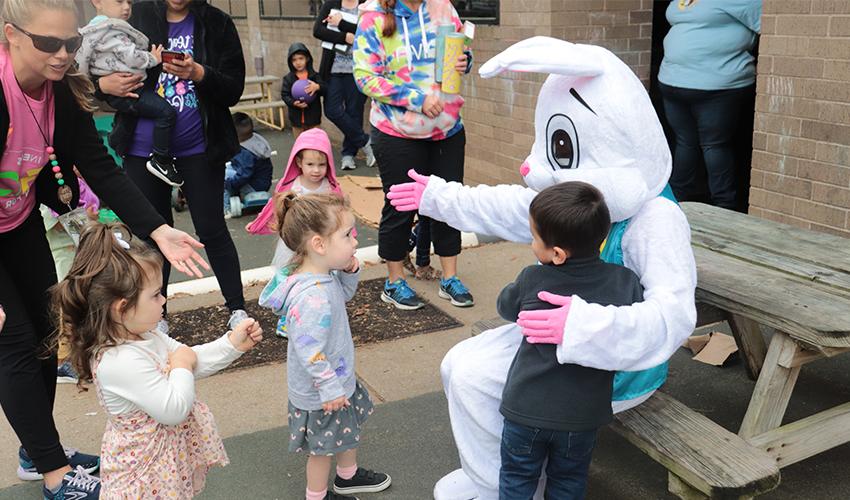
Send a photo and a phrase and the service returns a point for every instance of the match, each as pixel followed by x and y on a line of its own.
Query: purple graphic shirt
pixel 187 137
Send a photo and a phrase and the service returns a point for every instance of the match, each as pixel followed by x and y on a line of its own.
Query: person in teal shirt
pixel 707 75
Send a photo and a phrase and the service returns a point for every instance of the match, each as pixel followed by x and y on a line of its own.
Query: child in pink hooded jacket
pixel 310 169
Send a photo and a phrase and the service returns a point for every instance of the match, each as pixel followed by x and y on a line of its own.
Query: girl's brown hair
pixel 21 13
pixel 103 272
pixel 389 17
pixel 299 217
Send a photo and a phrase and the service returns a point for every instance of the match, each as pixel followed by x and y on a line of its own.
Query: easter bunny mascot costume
pixel 594 123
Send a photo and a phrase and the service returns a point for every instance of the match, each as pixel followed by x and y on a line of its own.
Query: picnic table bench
pixel 262 104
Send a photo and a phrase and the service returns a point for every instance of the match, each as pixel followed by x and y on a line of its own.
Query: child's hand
pixel 183 357
pixel 337 404
pixel 312 87
pixel 246 335
pixel 353 266
pixel 300 104
pixel 156 52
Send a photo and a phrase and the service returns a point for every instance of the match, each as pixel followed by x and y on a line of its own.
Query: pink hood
pixel 315 138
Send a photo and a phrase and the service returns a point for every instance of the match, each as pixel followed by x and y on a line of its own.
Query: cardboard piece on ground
pixel 696 342
pixel 718 349
pixel 365 195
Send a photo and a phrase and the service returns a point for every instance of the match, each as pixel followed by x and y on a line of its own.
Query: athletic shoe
pixel 28 472
pixel 400 295
pixel 330 495
pixel 363 481
pixel 164 171
pixel 236 317
pixel 66 374
pixel 370 155
pixel 347 163
pixel 76 485
pixel 452 289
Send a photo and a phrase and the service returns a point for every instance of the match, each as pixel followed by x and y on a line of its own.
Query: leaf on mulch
pixel 371 320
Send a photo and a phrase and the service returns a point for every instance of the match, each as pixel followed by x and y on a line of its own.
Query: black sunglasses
pixel 51 44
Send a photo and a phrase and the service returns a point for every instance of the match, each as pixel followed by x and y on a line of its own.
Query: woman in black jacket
pixel 201 88
pixel 49 120
pixel 343 100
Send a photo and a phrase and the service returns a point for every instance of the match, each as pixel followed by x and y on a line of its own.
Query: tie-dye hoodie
pixel 320 351
pixel 397 72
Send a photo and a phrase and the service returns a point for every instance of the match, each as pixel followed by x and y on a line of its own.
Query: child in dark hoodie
pixel 302 116
pixel 251 169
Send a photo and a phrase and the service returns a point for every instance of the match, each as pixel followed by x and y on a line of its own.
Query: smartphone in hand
pixel 169 56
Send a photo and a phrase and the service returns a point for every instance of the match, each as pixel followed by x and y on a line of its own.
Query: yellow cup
pixel 454 49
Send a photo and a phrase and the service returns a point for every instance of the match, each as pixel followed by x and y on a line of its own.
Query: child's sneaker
pixel 371 161
pixel 66 374
pixel 164 171
pixel 400 295
pixel 363 481
pixel 76 485
pixel 28 472
pixel 347 163
pixel 455 291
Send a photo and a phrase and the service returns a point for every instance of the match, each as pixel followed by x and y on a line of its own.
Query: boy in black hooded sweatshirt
pixel 302 116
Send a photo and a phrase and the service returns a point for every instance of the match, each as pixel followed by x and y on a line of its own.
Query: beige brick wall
pixel 499 113
pixel 801 143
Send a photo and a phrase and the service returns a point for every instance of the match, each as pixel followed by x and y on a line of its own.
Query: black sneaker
pixel 164 171
pixel 363 481
pixel 333 496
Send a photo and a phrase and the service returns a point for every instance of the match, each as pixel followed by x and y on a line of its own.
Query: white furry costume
pixel 594 122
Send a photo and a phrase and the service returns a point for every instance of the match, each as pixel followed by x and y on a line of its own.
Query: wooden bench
pixel 264 112
pixel 704 460
pixel 256 96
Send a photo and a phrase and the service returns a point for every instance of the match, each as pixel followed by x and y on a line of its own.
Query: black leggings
pixel 204 189
pixel 395 157
pixel 27 371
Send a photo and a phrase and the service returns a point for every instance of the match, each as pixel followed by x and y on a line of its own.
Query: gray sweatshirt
pixel 113 46
pixel 320 352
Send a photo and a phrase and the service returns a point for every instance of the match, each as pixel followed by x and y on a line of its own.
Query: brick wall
pixel 499 112
pixel 801 143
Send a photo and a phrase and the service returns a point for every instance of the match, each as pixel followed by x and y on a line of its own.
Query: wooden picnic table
pixel 261 102
pixel 770 278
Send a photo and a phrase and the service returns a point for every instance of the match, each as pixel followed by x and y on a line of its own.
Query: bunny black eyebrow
pixel 574 93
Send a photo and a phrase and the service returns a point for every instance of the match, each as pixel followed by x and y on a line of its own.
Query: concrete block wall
pixel 801 143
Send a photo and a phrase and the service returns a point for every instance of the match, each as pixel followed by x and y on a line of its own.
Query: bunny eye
pixel 562 150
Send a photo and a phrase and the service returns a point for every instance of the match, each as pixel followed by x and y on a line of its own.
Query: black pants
pixel 150 105
pixel 344 108
pixel 27 371
pixel 204 190
pixel 395 157
pixel 704 123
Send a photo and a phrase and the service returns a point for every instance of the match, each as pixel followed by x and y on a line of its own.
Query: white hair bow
pixel 120 239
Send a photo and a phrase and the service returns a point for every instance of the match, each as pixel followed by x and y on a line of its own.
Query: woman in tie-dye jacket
pixel 414 126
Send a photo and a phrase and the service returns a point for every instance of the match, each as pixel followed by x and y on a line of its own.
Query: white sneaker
pixel 455 485
pixel 236 317
pixel 347 163
pixel 370 155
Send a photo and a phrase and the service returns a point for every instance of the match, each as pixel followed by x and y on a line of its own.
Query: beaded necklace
pixel 64 192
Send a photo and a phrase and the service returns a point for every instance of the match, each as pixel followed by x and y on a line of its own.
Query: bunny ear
pixel 543 54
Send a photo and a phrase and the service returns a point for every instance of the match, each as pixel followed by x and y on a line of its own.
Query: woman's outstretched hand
pixel 407 196
pixel 179 249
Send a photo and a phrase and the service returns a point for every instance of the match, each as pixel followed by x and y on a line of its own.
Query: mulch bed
pixel 371 321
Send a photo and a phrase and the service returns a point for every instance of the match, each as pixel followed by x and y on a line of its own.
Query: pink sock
pixel 346 472
pixel 316 495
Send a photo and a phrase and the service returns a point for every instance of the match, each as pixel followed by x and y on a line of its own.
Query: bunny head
pixel 594 122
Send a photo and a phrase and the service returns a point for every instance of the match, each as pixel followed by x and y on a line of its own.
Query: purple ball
pixel 299 92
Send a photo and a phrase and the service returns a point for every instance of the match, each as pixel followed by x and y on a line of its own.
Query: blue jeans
pixel 525 449
pixel 344 108
pixel 229 173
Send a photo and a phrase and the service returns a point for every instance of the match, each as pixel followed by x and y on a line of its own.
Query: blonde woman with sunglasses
pixel 45 117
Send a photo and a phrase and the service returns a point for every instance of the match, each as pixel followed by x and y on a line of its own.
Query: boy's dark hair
pixel 573 216
pixel 243 123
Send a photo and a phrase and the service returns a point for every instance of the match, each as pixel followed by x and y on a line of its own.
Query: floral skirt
pixel 318 432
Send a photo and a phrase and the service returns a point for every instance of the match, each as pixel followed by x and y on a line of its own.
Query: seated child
pixel 111 45
pixel 327 406
pixel 310 170
pixel 302 115
pixel 251 169
pixel 552 409
pixel 420 239
pixel 160 441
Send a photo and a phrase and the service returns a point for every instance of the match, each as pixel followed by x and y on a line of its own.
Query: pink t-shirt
pixel 25 153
